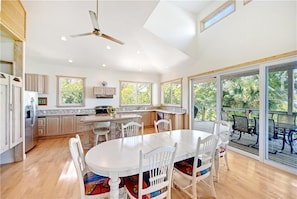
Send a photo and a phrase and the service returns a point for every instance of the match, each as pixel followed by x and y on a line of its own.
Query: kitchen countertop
pixel 149 110
pixel 106 118
pixel 57 112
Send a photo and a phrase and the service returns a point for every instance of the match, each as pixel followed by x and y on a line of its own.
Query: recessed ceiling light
pixel 103 65
pixel 70 61
pixel 108 47
pixel 138 52
pixel 63 38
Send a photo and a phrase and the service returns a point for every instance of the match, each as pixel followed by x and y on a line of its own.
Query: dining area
pixel 52 168
pixel 125 164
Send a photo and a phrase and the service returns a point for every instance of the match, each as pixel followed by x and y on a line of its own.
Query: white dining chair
pixel 223 130
pixel 187 173
pixel 91 185
pixel 101 128
pixel 132 129
pixel 153 180
pixel 162 125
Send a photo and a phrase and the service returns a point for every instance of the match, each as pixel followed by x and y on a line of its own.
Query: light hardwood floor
pixel 48 173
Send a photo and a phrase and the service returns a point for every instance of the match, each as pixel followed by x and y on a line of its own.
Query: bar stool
pixel 101 128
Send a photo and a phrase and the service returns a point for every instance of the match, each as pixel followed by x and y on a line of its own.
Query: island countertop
pixel 107 118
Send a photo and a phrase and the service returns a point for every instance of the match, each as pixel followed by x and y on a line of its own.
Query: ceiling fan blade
pixel 94 20
pixel 83 34
pixel 111 38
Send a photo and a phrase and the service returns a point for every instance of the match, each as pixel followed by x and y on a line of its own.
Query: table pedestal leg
pixel 114 183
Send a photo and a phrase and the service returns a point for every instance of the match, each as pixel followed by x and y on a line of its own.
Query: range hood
pixel 104 96
pixel 104 92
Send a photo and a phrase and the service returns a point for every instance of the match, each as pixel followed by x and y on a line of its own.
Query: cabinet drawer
pixel 41 122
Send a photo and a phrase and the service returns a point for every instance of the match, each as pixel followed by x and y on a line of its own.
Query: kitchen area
pixel 19 75
pixel 54 123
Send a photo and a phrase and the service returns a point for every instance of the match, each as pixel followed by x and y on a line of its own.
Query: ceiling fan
pixel 96 30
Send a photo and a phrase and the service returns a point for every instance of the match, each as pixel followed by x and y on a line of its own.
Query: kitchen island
pixel 115 126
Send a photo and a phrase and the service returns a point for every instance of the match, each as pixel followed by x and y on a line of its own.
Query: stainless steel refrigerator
pixel 31 126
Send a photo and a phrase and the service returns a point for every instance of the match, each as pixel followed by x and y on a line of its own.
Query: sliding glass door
pixel 260 102
pixel 240 104
pixel 203 104
pixel 281 101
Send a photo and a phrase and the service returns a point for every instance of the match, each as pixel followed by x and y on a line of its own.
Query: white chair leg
pixel 194 191
pixel 96 139
pixel 217 164
pixel 226 159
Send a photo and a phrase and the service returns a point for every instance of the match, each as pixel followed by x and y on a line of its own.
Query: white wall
pixel 94 77
pixel 257 30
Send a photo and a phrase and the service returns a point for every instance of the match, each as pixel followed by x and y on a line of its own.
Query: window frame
pixel 216 13
pixel 59 91
pixel 136 82
pixel 162 92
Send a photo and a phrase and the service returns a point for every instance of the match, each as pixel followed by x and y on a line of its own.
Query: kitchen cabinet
pixel 82 127
pixel 52 126
pixel 177 120
pixel 11 130
pixel 148 118
pixel 41 126
pixel 55 125
pixel 68 123
pixel 104 91
pixel 36 82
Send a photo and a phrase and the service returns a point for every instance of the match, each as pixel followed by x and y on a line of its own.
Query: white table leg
pixel 114 183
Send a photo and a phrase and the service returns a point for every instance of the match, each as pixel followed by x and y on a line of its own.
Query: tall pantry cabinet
pixel 11 132
pixel 12 69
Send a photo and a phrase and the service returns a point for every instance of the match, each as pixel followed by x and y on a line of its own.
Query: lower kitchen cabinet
pixel 53 126
pixel 41 126
pixel 56 125
pixel 68 124
pixel 177 120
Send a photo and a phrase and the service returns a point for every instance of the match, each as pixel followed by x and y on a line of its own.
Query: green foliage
pixel 172 93
pixel 72 91
pixel 241 92
pixel 135 93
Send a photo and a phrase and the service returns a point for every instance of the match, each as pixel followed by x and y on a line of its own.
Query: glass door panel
pixel 281 137
pixel 204 104
pixel 240 102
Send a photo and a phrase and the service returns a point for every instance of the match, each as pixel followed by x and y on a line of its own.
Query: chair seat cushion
pixel 96 184
pixel 186 166
pixel 131 183
pixel 222 151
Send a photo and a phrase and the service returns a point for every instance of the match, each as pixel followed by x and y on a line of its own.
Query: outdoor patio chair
pixel 285 130
pixel 241 125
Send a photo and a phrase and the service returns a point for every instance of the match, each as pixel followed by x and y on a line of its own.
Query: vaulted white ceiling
pixel 158 35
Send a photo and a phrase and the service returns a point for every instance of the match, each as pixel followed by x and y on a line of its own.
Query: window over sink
pixel 135 93
pixel 71 91
pixel 171 93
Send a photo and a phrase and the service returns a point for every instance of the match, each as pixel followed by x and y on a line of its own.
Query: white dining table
pixel 120 157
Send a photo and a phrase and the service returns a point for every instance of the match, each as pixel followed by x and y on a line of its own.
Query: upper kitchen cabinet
pixel 104 92
pixel 36 82
pixel 13 19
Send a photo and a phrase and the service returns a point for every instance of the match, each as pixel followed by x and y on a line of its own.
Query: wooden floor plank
pixel 48 172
